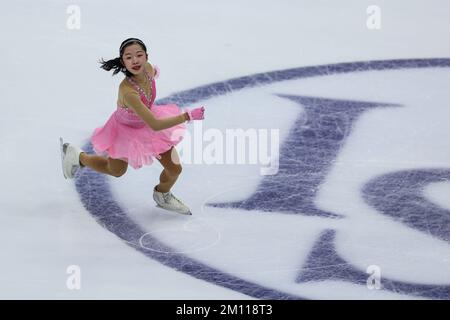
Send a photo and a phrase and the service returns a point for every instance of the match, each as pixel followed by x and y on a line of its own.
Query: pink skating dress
pixel 127 137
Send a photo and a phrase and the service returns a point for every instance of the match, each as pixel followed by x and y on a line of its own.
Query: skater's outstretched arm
pixel 133 101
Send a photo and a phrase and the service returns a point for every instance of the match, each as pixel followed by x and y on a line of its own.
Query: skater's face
pixel 134 58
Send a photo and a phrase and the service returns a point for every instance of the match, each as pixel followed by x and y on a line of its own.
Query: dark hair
pixel 116 63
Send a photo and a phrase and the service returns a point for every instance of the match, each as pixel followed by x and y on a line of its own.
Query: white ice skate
pixel 169 202
pixel 70 159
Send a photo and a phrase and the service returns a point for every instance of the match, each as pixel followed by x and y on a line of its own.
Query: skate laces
pixel 169 196
pixel 166 196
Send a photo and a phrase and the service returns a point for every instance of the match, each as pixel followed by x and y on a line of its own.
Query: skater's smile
pixel 134 58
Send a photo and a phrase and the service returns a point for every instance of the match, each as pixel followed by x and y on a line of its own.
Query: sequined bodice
pixel 126 115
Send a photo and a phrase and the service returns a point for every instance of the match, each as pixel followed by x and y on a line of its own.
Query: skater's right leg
pixel 113 167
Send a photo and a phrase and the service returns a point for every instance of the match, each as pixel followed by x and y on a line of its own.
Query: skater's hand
pixel 196 114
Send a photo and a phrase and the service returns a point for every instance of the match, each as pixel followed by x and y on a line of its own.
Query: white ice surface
pixel 51 86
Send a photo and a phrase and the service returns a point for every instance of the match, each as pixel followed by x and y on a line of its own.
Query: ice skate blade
pixel 189 213
pixel 62 150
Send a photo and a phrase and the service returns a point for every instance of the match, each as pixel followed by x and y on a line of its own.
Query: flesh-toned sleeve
pixel 133 101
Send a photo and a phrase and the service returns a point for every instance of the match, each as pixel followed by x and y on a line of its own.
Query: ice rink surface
pixel 336 187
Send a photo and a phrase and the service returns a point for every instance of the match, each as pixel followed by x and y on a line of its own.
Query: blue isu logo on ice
pixel 321 238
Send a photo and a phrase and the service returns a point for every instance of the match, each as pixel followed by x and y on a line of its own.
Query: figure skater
pixel 138 130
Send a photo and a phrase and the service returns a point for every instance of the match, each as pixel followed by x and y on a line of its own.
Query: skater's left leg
pixel 172 170
pixel 170 160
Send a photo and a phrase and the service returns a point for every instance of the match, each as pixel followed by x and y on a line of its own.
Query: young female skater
pixel 138 130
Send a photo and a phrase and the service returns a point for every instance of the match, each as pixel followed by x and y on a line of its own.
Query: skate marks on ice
pixel 318 141
pixel 98 199
pixel 306 156
pixel 325 264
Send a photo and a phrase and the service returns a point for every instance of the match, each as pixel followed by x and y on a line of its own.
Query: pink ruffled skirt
pixel 126 137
